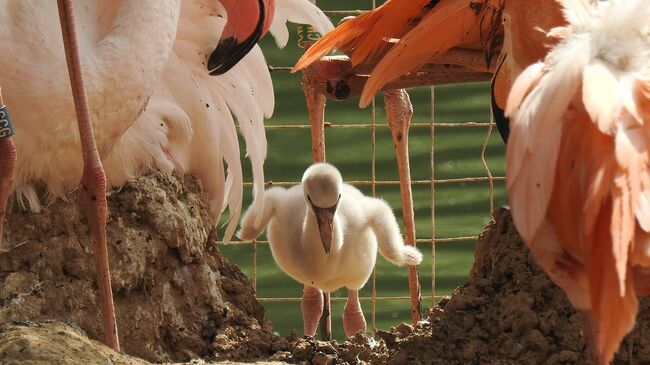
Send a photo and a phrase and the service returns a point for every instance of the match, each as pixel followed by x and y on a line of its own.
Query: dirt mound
pixel 50 342
pixel 176 298
pixel 509 312
pixel 46 342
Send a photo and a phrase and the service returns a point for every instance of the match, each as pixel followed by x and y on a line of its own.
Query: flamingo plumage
pixel 145 68
pixel 577 158
pixel 164 110
pixel 473 24
pixel 577 163
pixel 110 51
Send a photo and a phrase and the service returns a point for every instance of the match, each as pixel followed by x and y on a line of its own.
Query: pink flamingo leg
pixel 399 112
pixel 312 309
pixel 7 166
pixel 316 107
pixel 92 188
pixel 353 320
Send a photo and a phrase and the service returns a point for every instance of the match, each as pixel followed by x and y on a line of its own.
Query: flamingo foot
pixel 7 167
pixel 353 320
pixel 312 309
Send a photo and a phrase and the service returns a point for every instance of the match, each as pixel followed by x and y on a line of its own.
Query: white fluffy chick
pixel 325 234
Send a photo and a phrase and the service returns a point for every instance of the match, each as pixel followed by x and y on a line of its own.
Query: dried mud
pixel 509 312
pixel 54 342
pixel 176 298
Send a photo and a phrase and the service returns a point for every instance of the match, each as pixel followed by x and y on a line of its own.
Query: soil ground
pixel 178 300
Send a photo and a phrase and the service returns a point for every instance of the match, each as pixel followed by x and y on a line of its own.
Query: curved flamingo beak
pixel 498 94
pixel 248 21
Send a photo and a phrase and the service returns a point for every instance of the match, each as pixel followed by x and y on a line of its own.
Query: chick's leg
pixel 312 309
pixel 353 320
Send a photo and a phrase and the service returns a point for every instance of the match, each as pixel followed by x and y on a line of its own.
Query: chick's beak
pixel 325 220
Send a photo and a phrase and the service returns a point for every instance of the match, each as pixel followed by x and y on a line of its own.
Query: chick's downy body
pixel 325 234
pixel 297 247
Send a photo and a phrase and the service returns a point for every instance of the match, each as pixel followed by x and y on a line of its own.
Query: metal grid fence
pixel 489 179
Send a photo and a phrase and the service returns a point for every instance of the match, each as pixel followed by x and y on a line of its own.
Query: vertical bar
pixel 255 267
pixel 485 164
pixel 433 199
pixel 373 185
pixel 373 133
pixel 325 323
pixel 316 107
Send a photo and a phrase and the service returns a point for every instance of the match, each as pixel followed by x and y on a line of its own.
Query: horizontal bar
pixel 419 240
pixel 279 68
pixel 340 299
pixel 345 12
pixel 368 69
pixel 394 182
pixel 449 239
pixel 367 126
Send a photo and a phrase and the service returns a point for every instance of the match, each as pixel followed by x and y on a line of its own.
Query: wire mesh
pixel 373 183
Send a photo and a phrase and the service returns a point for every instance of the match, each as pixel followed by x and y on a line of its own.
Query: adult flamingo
pixel 582 213
pixel 132 51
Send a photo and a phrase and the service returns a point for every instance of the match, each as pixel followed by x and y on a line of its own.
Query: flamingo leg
pixel 7 165
pixel 399 112
pixel 316 108
pixel 312 309
pixel 92 188
pixel 353 320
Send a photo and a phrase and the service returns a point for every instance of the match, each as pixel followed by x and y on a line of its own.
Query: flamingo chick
pixel 325 234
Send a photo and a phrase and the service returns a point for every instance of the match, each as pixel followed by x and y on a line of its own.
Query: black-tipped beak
pixel 325 221
pixel 503 122
pixel 498 113
pixel 230 50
